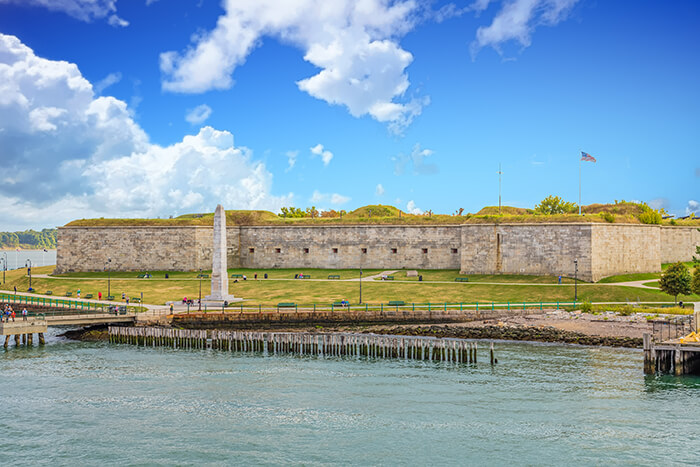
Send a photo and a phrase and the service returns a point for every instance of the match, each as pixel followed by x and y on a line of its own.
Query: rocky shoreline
pixel 514 333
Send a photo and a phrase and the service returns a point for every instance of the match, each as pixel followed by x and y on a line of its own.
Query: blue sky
pixel 159 107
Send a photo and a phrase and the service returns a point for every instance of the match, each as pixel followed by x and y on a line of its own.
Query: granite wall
pixel 601 249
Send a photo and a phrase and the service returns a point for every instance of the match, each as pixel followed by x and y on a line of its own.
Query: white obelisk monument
pixel 219 271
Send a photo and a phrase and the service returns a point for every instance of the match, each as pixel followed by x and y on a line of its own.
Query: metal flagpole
pixel 499 188
pixel 579 185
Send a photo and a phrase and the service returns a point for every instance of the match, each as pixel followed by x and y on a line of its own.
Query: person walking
pixel 559 279
pixel 13 316
pixel 24 314
pixel 99 295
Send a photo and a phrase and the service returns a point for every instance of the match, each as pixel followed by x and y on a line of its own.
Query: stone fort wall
pixel 601 249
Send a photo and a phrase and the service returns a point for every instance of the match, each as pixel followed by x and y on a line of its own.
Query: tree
pixel 555 205
pixel 695 283
pixel 675 280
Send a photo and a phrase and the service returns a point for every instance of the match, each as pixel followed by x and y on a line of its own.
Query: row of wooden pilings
pixel 300 343
pixel 27 339
pixel 154 337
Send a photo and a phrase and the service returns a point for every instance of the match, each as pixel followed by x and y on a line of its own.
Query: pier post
pixel 30 339
pixel 649 354
pixel 491 352
pixel 16 340
pixel 24 339
pixel 678 361
pixel 7 340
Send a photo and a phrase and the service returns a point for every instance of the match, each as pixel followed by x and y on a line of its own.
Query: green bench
pixel 388 278
pixel 144 276
pixel 48 292
pixel 286 305
pixel 239 276
pixel 304 276
pixel 135 300
pixel 110 297
pixel 88 295
pixel 203 276
pixel 69 294
pixel 397 303
pixel 334 276
pixel 461 279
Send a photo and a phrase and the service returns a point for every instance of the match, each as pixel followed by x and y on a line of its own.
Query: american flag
pixel 587 157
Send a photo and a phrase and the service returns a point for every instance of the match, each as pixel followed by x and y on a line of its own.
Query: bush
pixel 586 307
pixel 555 205
pixel 609 217
pixel 650 217
pixel 626 310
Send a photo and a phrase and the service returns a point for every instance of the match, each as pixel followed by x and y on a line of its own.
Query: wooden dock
pixel 301 343
pixel 24 330
pixel 666 353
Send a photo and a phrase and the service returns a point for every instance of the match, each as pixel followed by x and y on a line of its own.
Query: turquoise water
pixel 83 403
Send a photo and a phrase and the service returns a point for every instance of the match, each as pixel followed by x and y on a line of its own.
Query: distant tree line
pixel 30 239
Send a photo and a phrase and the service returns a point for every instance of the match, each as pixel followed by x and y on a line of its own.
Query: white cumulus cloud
pixel 693 207
pixel 517 20
pixel 325 154
pixel 334 198
pixel 291 159
pixel 198 115
pixel 83 10
pixel 411 208
pixel 379 191
pixel 68 153
pixel 353 43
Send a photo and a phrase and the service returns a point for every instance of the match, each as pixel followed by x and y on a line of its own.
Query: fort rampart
pixel 600 249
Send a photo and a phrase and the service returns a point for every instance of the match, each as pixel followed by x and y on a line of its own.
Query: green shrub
pixel 626 310
pixel 586 307
pixel 609 217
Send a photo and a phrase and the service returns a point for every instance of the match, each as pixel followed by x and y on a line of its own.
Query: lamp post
pixel 200 289
pixel 109 278
pixel 4 266
pixel 361 274
pixel 28 264
pixel 575 280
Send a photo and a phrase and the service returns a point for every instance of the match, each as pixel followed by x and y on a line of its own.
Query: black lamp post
pixel 200 289
pixel 109 277
pixel 4 266
pixel 28 264
pixel 575 280
pixel 361 253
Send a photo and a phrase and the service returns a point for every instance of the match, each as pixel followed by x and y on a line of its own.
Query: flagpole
pixel 579 186
pixel 499 188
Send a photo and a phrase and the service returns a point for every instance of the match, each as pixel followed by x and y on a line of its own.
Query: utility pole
pixel 499 188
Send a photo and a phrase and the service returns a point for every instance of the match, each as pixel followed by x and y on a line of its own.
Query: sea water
pixel 19 259
pixel 74 403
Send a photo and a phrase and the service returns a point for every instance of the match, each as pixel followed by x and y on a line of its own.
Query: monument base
pixel 219 301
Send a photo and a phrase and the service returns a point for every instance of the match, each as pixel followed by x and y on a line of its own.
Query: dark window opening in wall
pixel 454 251
pixel 306 250
pixel 425 251
pixel 364 250
pixel 278 250
pixel 335 250
pixel 394 250
pixel 251 250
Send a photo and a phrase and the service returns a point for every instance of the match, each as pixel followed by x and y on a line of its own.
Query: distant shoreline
pixel 26 248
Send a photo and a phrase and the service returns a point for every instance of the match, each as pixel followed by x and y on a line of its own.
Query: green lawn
pixel 160 290
pixel 249 273
pixel 449 275
pixel 630 277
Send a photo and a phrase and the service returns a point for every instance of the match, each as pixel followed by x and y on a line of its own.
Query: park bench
pixel 461 279
pixel 48 292
pixel 388 278
pixel 88 295
pixel 304 276
pixel 110 297
pixel 340 304
pixel 69 294
pixel 136 300
pixel 286 305
pixel 144 276
pixel 397 303
pixel 203 276
pixel 334 276
pixel 239 276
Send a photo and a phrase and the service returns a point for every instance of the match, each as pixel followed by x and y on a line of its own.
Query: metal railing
pixel 60 306
pixel 666 330
pixel 290 307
